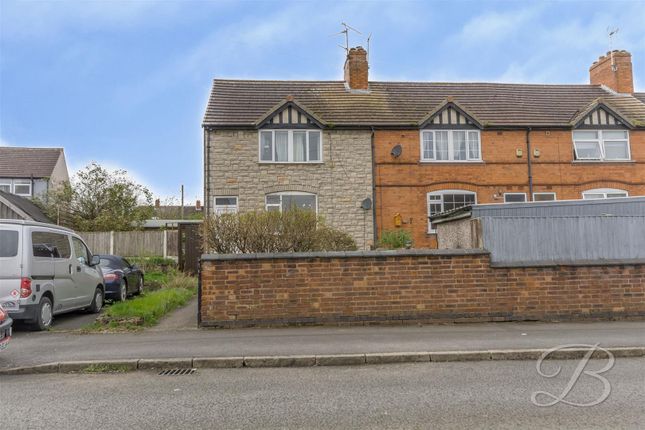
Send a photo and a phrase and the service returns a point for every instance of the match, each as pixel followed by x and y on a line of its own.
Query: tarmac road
pixel 428 395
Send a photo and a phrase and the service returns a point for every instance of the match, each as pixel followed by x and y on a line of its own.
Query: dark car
pixel 120 277
pixel 5 328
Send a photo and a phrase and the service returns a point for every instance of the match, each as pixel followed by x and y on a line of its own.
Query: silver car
pixel 46 270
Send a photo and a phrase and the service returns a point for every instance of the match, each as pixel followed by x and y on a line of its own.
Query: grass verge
pixel 147 309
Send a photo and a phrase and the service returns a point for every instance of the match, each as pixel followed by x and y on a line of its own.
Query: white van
pixel 46 270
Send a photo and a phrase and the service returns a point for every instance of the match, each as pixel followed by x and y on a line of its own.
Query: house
pixel 32 172
pixel 548 232
pixel 16 207
pixel 373 156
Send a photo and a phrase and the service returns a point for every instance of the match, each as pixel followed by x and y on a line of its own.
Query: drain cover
pixel 175 372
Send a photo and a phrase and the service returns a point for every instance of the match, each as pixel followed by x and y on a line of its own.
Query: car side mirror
pixel 95 260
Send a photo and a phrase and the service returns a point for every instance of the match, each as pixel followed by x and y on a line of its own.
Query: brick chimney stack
pixel 617 76
pixel 356 69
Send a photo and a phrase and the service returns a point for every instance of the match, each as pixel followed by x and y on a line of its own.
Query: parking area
pixel 65 322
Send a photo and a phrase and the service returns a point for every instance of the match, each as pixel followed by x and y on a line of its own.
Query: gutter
pixel 375 230
pixel 528 163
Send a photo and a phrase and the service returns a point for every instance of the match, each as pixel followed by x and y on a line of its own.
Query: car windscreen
pixel 109 264
pixel 8 243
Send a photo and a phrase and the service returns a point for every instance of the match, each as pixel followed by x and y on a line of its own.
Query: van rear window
pixel 8 243
pixel 51 245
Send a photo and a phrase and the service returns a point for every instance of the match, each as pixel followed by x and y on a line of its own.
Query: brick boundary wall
pixel 395 287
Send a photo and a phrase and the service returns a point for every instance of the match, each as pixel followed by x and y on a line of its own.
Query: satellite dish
pixel 396 151
pixel 366 204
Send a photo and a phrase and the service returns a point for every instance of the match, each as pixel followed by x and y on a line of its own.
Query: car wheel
pixel 123 291
pixel 44 316
pixel 97 302
pixel 139 286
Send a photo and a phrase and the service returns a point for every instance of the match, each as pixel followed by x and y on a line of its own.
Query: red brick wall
pixel 411 287
pixel 402 183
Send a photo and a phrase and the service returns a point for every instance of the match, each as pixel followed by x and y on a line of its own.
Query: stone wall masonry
pixel 341 182
pixel 409 286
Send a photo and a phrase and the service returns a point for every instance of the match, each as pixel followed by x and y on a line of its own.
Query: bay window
pixel 290 146
pixel 450 145
pixel 441 201
pixel 601 145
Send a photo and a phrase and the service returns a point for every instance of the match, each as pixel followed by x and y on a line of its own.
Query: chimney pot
pixel 613 70
pixel 356 69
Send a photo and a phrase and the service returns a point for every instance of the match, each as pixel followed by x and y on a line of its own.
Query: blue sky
pixel 125 83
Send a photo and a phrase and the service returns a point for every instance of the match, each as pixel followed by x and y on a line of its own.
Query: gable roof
pixel 20 204
pixel 604 105
pixel 16 162
pixel 241 103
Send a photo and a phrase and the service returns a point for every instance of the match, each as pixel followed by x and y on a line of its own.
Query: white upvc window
pixel 544 197
pixel 290 146
pixel 22 187
pixel 514 197
pixel 604 193
pixel 450 145
pixel 601 145
pixel 225 205
pixel 445 200
pixel 287 200
pixel 5 185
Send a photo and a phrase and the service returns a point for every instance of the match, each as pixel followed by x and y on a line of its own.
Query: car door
pixel 51 259
pixel 86 277
pixel 129 275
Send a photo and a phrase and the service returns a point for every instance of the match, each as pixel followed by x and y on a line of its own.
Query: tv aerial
pixel 345 31
pixel 611 32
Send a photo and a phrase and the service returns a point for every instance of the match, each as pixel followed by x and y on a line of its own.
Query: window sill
pixel 603 161
pixel 289 163
pixel 452 162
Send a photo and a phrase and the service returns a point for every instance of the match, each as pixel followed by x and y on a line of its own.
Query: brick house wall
pixel 341 182
pixel 402 183
pixel 412 286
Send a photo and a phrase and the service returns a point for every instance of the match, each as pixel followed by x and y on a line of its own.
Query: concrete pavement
pixel 34 348
pixel 433 395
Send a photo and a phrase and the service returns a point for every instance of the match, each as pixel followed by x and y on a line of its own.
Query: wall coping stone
pixel 548 263
pixel 345 254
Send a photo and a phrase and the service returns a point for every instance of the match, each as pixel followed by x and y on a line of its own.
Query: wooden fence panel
pixel 98 241
pixel 132 243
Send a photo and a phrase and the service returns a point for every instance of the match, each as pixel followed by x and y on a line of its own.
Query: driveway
pixel 65 322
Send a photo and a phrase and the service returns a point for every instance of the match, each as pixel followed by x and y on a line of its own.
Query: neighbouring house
pixel 415 149
pixel 548 232
pixel 16 207
pixel 32 172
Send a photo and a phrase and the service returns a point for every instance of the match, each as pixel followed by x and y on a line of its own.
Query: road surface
pixel 429 395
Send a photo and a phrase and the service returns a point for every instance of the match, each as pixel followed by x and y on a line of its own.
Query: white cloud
pixel 4 142
pixel 495 26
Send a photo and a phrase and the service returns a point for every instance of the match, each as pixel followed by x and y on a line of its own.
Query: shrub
pixel 395 239
pixel 294 230
pixel 154 264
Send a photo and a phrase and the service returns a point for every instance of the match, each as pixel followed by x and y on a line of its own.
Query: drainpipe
pixel 375 239
pixel 207 143
pixel 528 163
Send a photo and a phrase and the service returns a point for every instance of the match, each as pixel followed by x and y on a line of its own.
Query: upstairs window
pixel 442 201
pixel 284 201
pixel 290 146
pixel 5 185
pixel 603 193
pixel 22 187
pixel 544 197
pixel 601 145
pixel 450 145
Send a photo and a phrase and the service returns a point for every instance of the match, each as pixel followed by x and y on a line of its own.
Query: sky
pixel 125 82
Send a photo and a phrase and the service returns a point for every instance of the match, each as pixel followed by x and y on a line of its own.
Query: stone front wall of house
pixel 409 286
pixel 341 182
